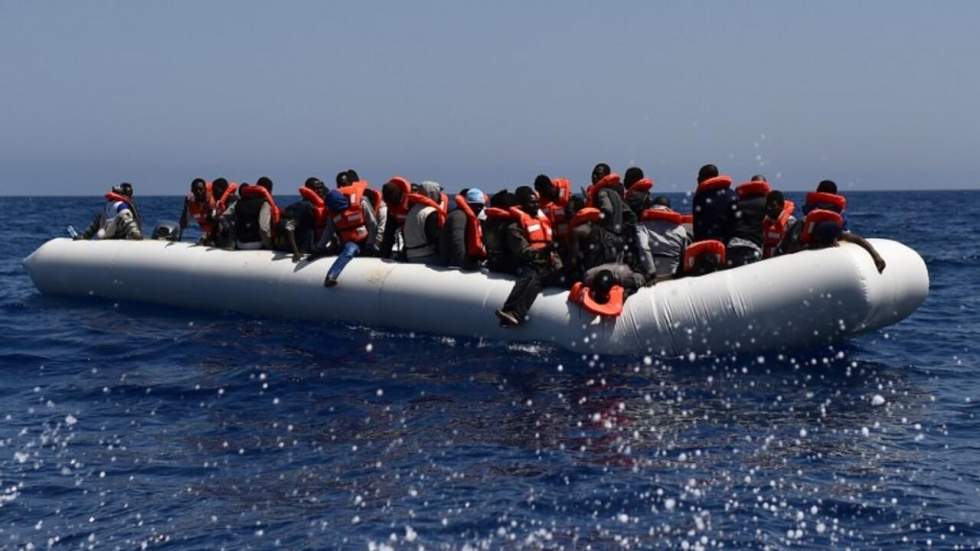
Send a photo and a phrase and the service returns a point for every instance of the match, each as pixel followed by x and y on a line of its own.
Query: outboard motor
pixel 166 231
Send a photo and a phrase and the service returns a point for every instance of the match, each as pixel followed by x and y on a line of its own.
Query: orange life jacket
pixel 826 201
pixel 662 215
pixel 474 231
pixel 818 216
pixel 350 223
pixel 320 212
pixel 584 216
pixel 752 189
pixel 221 203
pixel 773 231
pixel 687 219
pixel 442 207
pixel 698 248
pixel 607 181
pixel 716 183
pixel 255 190
pixel 537 229
pixel 556 210
pixel 582 295
pixel 201 210
pixel 494 213
pixel 641 185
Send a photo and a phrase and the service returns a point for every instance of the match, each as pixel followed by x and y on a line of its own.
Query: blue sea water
pixel 130 426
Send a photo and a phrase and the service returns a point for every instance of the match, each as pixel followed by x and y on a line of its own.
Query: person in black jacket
pixel 745 246
pixel 714 206
pixel 461 242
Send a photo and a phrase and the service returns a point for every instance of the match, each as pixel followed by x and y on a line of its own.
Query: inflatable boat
pixel 800 299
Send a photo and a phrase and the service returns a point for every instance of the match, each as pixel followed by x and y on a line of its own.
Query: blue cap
pixel 474 195
pixel 336 201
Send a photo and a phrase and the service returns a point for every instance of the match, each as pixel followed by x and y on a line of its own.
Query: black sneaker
pixel 329 282
pixel 507 319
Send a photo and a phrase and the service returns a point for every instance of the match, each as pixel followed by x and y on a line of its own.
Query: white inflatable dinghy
pixel 800 299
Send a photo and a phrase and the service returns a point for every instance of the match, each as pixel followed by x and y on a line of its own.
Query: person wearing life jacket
pixel 637 189
pixel 776 224
pixel 351 228
pixel 554 194
pixel 605 288
pixel 224 196
pixel 205 203
pixel 350 177
pixel 498 218
pixel 714 205
pixel 427 211
pixel 822 228
pixel 529 241
pixel 660 239
pixel 461 242
pixel 118 218
pixel 612 235
pixel 395 196
pixel 302 223
pixel 256 215
pixel 702 258
pixel 745 245
pixel 826 198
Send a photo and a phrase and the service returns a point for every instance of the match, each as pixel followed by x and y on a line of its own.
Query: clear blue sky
pixel 874 95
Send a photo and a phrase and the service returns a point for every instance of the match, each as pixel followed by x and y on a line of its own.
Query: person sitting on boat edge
pixel 118 218
pixel 826 197
pixel 498 218
pixel 206 203
pixel 529 240
pixel 714 206
pixel 302 223
pixel 825 228
pixel 351 228
pixel 745 245
pixel 660 239
pixel 426 215
pixel 255 215
pixel 461 242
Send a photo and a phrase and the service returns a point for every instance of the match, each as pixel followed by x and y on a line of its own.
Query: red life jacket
pixel 556 210
pixel 255 190
pixel 641 185
pixel 493 213
pixel 698 248
pixel 687 219
pixel 773 231
pixel 582 295
pixel 825 201
pixel 716 183
pixel 320 212
pixel 584 216
pixel 442 207
pixel 200 210
pixel 474 231
pixel 350 223
pixel 607 181
pixel 749 190
pixel 818 216
pixel 662 215
pixel 537 229
pixel 400 211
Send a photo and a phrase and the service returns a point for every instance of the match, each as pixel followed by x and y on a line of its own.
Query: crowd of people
pixel 603 244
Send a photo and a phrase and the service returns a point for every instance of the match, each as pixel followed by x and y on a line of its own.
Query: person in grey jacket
pixel 118 219
pixel 660 243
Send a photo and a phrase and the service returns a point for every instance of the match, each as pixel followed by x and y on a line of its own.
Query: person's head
pixel 219 187
pixel 774 204
pixel 265 182
pixel 575 204
pixel 392 194
pixel 600 171
pixel 601 285
pixel 827 186
pixel 353 176
pixel 503 199
pixel 199 189
pixel 527 198
pixel 759 178
pixel 633 175
pixel 661 201
pixel 824 234
pixel 705 264
pixel 317 185
pixel 475 199
pixel 343 179
pixel 545 187
pixel 432 190
pixel 707 172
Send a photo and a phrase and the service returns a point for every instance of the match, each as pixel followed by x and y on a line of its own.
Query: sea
pixel 130 426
